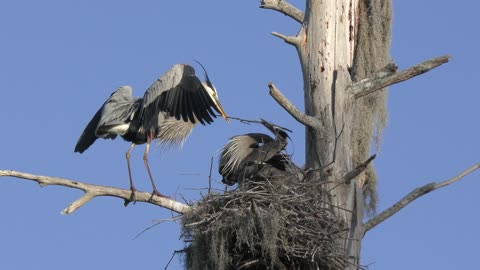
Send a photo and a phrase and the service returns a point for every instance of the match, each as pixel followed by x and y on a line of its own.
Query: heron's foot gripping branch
pixel 92 191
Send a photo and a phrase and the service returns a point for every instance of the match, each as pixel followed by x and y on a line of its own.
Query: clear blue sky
pixel 60 60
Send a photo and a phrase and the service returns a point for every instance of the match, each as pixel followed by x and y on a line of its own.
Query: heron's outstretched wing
pixel 88 136
pixel 118 110
pixel 180 93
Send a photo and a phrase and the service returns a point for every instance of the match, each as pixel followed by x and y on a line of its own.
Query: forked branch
pixel 292 40
pixel 415 194
pixel 388 76
pixel 304 119
pixel 92 191
pixel 283 7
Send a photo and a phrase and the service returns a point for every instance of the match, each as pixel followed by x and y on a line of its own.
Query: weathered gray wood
pixel 92 191
pixel 283 7
pixel 347 178
pixel 326 52
pixel 306 120
pixel 354 244
pixel 325 55
pixel 415 194
pixel 388 76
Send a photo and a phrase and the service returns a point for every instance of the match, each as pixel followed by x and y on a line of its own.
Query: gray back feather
pixel 238 149
pixel 117 110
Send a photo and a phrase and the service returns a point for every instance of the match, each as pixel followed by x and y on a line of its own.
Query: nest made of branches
pixel 275 220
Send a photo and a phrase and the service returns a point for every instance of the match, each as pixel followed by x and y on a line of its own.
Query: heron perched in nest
pixel 244 155
pixel 168 111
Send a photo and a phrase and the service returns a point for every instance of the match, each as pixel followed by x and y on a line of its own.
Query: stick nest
pixel 273 221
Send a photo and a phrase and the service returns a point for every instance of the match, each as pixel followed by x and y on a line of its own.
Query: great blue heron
pixel 168 111
pixel 244 155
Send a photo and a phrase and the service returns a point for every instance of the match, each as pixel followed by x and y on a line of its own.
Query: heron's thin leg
pixel 132 188
pixel 145 160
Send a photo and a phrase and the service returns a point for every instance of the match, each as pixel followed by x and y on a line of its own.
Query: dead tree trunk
pixel 335 45
pixel 339 42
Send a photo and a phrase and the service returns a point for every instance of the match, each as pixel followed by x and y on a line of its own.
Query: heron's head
pixel 212 92
pixel 276 129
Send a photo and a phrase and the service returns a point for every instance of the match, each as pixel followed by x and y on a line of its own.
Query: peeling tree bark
pixel 326 48
pixel 326 53
pixel 325 44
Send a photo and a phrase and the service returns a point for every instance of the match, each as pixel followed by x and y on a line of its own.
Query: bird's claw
pixel 132 198
pixel 156 193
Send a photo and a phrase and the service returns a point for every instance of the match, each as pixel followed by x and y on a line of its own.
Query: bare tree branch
pixel 92 191
pixel 304 119
pixel 415 194
pixel 293 40
pixel 388 76
pixel 359 169
pixel 283 7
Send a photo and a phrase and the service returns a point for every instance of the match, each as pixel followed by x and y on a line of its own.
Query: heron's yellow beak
pixel 222 112
pixel 212 92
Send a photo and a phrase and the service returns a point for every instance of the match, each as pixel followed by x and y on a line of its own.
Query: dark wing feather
pixel 206 113
pixel 118 109
pixel 180 93
pixel 88 136
pixel 197 103
pixel 207 100
pixel 178 114
pixel 189 104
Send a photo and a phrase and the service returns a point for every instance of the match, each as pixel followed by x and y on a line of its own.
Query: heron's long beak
pixel 220 110
pixel 214 97
pixel 271 126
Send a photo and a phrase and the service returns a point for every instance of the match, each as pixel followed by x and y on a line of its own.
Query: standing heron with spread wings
pixel 168 112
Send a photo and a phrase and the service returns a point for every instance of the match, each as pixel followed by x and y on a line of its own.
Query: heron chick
pixel 167 112
pixel 244 155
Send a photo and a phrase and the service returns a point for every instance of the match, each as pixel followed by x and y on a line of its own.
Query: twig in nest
pixel 210 177
pixel 157 222
pixel 173 255
pixel 247 264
